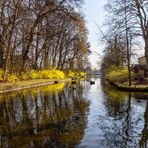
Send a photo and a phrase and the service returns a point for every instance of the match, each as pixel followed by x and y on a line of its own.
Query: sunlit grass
pixel 118 74
pixel 18 84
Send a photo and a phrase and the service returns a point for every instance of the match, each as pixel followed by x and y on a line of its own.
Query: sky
pixel 94 15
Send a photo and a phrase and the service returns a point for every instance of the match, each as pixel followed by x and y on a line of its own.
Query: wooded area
pixel 41 34
pixel 127 30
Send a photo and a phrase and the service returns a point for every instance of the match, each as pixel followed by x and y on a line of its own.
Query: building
pixel 142 60
pixel 88 70
pixel 141 69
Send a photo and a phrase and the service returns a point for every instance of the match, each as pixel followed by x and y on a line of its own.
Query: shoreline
pixel 133 88
pixel 22 85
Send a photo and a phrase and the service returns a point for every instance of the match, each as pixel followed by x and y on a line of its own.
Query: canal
pixel 81 116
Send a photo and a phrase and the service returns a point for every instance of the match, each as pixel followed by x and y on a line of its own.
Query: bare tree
pixel 41 34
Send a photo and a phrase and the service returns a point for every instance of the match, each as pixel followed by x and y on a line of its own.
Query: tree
pixel 122 20
pixel 136 16
pixel 41 34
pixel 141 9
pixel 114 53
pixel 1 53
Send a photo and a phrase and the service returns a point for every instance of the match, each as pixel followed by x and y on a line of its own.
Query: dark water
pixel 66 116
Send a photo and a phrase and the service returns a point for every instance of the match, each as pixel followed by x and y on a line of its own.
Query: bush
pixel 42 74
pixel 72 74
pixel 34 74
pixel 82 74
pixel 51 74
pixel 57 74
pixel 25 75
pixel 45 74
pixel 12 78
pixel 1 75
pixel 118 74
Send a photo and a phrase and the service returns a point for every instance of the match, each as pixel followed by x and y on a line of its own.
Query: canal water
pixel 67 116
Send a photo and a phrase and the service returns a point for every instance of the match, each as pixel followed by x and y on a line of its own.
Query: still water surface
pixel 66 116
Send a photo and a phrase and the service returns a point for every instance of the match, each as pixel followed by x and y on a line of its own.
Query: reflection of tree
pixel 46 119
pixel 144 139
pixel 116 102
pixel 123 119
pixel 119 107
pixel 127 124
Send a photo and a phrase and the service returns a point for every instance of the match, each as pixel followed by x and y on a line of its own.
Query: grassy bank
pixel 135 88
pixel 34 78
pixel 22 84
pixel 118 77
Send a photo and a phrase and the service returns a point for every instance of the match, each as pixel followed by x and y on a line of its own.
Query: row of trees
pixel 127 24
pixel 37 34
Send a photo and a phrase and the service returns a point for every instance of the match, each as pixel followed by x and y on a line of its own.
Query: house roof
pixel 141 57
pixel 139 67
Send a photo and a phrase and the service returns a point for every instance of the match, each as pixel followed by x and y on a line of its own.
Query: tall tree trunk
pixel 127 46
pixel 46 58
pixel 35 66
pixel 146 49
pixel 8 56
pixel 1 53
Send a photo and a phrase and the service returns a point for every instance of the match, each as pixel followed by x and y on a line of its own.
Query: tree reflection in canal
pixel 82 115
pixel 129 112
pixel 144 138
pixel 115 119
pixel 51 116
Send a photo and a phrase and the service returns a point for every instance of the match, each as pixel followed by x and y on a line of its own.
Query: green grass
pixel 118 74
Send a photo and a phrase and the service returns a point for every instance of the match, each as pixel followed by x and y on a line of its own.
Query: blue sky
pixel 94 14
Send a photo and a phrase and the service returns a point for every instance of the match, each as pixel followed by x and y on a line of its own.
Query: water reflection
pixel 129 112
pixel 115 119
pixel 79 115
pixel 144 138
pixel 43 117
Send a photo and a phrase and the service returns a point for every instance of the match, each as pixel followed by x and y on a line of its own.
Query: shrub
pixel 1 75
pixel 82 74
pixel 12 78
pixel 42 74
pixel 34 74
pixel 118 74
pixel 25 75
pixel 72 74
pixel 45 74
pixel 57 74
pixel 51 74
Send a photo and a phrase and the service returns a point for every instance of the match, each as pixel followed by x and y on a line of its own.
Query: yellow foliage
pixel 118 74
pixel 51 74
pixel 73 74
pixel 12 78
pixel 54 87
pixel 82 74
pixel 57 74
pixel 49 89
pixel 1 75
pixel 25 75
pixel 34 74
pixel 43 74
